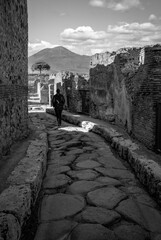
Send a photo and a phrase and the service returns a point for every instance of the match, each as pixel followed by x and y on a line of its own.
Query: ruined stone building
pixel 13 72
pixel 38 88
pixel 75 88
pixel 125 87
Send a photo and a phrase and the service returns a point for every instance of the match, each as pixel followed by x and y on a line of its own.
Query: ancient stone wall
pixel 126 88
pixel 101 99
pixel 13 72
pixel 72 85
pixel 44 94
pixel 147 96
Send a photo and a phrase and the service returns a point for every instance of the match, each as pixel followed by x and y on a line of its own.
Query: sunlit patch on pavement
pixel 71 129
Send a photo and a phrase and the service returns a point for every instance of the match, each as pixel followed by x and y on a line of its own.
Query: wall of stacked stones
pixel 127 88
pixel 146 97
pixel 13 72
pixel 73 95
pixel 101 91
pixel 70 85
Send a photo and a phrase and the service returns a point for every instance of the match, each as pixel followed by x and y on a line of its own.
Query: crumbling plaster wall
pixel 124 87
pixel 101 100
pixel 109 95
pixel 13 72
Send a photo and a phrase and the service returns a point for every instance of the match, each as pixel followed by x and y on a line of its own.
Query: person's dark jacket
pixel 58 101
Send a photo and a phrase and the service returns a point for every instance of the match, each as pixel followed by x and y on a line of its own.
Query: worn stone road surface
pixel 91 194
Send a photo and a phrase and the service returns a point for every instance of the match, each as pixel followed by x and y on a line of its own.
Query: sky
pixel 87 27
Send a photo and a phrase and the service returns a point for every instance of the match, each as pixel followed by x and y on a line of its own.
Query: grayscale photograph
pixel 80 120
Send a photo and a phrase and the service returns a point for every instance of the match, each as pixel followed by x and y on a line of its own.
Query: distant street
pixel 89 193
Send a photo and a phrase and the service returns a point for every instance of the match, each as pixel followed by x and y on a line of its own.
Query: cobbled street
pixel 89 193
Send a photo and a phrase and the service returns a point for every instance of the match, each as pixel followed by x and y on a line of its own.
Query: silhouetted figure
pixel 58 103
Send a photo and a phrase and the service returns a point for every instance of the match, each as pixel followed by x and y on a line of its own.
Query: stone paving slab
pixel 134 190
pixel 111 162
pixel 131 232
pixel 87 156
pixel 72 143
pixel 87 164
pixel 54 154
pixel 56 142
pixel 55 230
pixel 116 173
pixel 98 215
pixel 92 232
pixel 141 214
pixel 107 197
pixel 145 163
pixel 158 237
pixel 56 181
pixel 83 187
pixel 59 206
pixel 146 199
pixel 75 152
pixel 98 211
pixel 63 160
pixel 109 181
pixel 54 170
pixel 87 174
pixel 87 148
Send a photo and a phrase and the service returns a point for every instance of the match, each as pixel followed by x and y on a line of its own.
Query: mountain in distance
pixel 61 59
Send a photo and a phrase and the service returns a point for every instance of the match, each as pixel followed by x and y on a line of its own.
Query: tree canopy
pixel 40 66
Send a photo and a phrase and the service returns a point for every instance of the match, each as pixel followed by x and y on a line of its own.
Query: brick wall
pixel 147 97
pixel 143 118
pixel 127 87
pixel 13 72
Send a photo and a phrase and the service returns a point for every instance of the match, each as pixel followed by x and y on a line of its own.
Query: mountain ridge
pixel 61 59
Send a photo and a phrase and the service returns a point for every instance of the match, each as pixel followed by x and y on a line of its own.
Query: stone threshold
pixel 146 164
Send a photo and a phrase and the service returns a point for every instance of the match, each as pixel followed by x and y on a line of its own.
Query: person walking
pixel 58 103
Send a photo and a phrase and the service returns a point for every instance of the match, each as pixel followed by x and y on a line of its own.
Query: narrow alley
pixel 88 193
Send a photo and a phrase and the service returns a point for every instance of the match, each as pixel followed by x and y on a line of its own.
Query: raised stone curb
pixel 17 201
pixel 144 165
